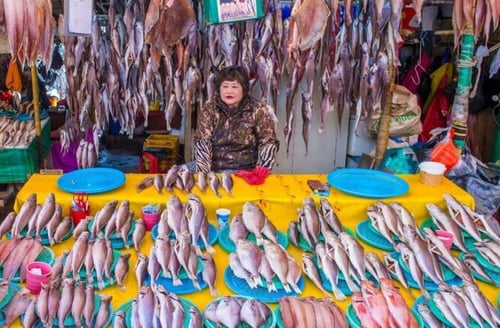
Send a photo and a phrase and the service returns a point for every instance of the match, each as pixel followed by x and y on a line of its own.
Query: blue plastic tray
pixel 92 181
pixel 367 183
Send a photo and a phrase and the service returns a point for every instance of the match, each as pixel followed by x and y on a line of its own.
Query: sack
pixel 405 115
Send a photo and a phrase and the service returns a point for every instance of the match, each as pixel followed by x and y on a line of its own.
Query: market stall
pixel 279 197
pixel 19 163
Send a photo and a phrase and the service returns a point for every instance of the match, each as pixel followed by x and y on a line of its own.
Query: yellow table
pixel 279 198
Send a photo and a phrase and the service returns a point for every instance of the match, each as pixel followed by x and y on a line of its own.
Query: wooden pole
pixel 385 120
pixel 36 106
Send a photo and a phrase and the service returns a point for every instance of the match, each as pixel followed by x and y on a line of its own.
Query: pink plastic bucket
pixel 150 219
pixel 37 273
pixel 446 237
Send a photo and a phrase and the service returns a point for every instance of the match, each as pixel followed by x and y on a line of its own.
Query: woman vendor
pixel 234 131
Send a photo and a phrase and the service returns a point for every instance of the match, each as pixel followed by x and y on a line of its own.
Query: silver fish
pixel 141 269
pixel 139 233
pixel 428 317
pixel 103 313
pixel 121 270
pixel 214 183
pixel 356 253
pixel 228 312
pixel 250 256
pixel 461 216
pixel 328 215
pixel 254 220
pixel 227 182
pixel 237 229
pixel 330 270
pixel 201 181
pixel 444 222
pixel 312 272
pixel 209 273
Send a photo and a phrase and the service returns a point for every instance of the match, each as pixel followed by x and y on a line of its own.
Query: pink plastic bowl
pixel 37 273
pixel 446 237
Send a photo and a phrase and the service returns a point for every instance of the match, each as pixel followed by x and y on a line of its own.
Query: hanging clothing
pixel 444 72
pixel 13 80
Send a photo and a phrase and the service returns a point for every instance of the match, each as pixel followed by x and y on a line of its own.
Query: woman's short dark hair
pixel 233 73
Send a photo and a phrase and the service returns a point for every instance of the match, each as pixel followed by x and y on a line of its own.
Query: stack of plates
pixel 370 235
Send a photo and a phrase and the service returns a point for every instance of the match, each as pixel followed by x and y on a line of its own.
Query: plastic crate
pixel 162 141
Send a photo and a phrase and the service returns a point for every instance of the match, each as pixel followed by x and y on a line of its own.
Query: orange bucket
pixel 446 153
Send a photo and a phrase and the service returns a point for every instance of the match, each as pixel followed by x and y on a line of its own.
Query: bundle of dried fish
pixel 255 265
pixel 15 133
pixel 30 30
pixel 159 307
pixel 385 307
pixel 233 311
pixel 310 312
pixel 314 224
pixel 67 299
pixel 15 254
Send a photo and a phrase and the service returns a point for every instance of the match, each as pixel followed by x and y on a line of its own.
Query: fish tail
pixel 339 295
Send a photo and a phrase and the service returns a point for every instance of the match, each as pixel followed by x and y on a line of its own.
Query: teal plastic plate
pixel 13 289
pixel 46 255
pixel 92 181
pixel 187 285
pixel 70 321
pixel 367 183
pixel 240 287
pixel 212 235
pixel 271 320
pixel 428 284
pixel 495 276
pixel 228 245
pixel 370 236
pixel 44 235
pixel 439 315
pixel 485 263
pixel 115 238
pixel 107 282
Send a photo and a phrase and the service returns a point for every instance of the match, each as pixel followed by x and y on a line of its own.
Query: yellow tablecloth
pixel 279 198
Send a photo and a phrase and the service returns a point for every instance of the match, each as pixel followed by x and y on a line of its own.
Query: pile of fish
pixel 314 224
pixel 179 177
pixel 156 307
pixel 233 311
pixel 256 266
pixel 16 133
pixel 390 219
pixel 168 257
pixel 15 254
pixel 252 221
pixel 35 220
pixel 460 307
pixel 342 253
pixel 188 221
pixel 30 30
pixel 92 261
pixel 113 220
pixel 298 312
pixel 65 299
pixel 384 307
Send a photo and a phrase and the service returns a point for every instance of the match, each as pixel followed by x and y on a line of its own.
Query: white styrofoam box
pixel 359 142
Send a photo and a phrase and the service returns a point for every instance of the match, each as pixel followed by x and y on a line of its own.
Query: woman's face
pixel 231 93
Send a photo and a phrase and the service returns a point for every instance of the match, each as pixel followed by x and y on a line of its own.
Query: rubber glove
pixel 255 177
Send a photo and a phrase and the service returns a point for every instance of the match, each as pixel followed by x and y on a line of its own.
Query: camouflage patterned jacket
pixel 234 138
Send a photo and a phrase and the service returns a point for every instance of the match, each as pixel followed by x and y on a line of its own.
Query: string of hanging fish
pixel 159 51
